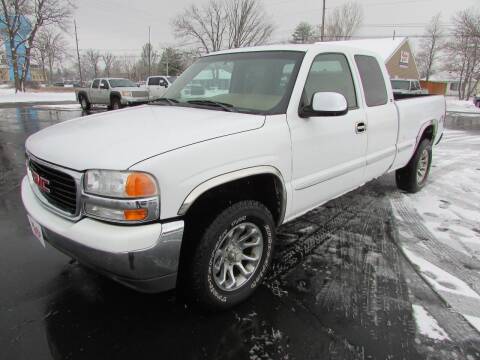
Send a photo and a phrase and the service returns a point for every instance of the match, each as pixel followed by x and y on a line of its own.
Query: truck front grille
pixel 140 93
pixel 57 187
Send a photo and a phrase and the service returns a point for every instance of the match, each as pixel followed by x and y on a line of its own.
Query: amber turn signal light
pixel 135 214
pixel 140 185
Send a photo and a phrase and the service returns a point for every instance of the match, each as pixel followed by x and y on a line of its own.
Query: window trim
pixel 383 77
pixel 303 96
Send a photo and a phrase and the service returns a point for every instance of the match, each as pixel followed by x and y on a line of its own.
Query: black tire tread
pixel 406 177
pixel 203 249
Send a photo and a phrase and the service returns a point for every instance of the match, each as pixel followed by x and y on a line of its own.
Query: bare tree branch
pixel 219 25
pixel 343 21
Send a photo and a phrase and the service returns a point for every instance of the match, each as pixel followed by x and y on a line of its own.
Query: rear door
pixel 382 117
pixel 328 151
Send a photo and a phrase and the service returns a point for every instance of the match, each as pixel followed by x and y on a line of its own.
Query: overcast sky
pixel 121 26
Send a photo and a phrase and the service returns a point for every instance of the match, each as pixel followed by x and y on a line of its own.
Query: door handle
pixel 360 127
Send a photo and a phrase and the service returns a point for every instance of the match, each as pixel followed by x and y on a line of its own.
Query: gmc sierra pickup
pixel 188 191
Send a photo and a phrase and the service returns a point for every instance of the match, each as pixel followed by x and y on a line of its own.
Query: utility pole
pixel 166 57
pixel 78 53
pixel 149 53
pixel 323 22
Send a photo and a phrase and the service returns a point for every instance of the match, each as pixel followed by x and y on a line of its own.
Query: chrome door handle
pixel 360 127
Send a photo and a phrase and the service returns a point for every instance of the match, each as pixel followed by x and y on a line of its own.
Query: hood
pixel 117 140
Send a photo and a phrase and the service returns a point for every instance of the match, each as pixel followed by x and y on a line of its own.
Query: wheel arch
pixel 428 131
pixel 241 179
pixel 115 94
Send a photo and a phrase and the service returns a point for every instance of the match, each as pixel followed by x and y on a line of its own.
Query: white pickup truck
pixel 189 191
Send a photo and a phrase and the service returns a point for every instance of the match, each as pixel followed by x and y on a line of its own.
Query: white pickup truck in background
pixel 158 85
pixel 189 191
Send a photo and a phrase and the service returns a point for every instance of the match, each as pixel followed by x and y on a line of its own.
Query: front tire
pixel 115 104
pixel 233 255
pixel 413 177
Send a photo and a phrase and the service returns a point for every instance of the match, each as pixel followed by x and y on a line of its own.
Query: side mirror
pixel 326 104
pixel 104 86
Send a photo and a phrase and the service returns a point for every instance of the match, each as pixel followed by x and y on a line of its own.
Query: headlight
pixel 127 93
pixel 121 196
pixel 121 184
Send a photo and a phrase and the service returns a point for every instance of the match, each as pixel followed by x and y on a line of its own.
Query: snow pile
pixel 9 96
pixel 462 106
pixel 427 325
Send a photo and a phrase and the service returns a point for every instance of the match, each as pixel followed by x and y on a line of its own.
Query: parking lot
pixel 340 286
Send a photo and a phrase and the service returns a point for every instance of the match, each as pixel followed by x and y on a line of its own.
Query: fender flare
pixel 232 176
pixel 115 94
pixel 426 124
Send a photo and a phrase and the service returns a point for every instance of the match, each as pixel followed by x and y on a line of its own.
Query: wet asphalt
pixel 339 288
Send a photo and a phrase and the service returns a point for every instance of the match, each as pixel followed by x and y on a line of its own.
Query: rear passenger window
pixel 95 84
pixel 330 73
pixel 372 80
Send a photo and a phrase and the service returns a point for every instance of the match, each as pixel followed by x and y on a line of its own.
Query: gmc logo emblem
pixel 41 182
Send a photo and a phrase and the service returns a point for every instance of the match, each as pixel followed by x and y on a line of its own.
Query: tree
pixel 246 23
pixel 109 61
pixel 463 51
pixel 430 47
pixel 172 62
pixel 50 47
pixel 22 20
pixel 343 21
pixel 218 25
pixel 304 33
pixel 92 58
pixel 148 60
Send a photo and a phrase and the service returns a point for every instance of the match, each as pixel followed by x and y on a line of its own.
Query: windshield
pixel 253 82
pixel 171 78
pixel 115 83
pixel 401 84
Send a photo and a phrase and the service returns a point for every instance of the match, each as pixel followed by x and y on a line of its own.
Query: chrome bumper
pixel 144 257
pixel 152 270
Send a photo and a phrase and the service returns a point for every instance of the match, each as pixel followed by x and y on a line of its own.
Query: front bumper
pixel 143 257
pixel 134 100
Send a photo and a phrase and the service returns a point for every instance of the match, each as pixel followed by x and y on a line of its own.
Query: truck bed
pixel 415 113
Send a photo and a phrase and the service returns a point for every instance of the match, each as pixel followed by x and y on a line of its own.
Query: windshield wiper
pixel 224 106
pixel 170 101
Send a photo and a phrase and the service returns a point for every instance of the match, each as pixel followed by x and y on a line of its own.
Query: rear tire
pixel 84 103
pixel 232 256
pixel 413 177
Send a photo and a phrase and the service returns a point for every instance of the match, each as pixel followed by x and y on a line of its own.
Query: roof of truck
pixel 367 45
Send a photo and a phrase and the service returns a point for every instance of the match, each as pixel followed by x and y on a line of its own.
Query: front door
pixel 104 93
pixel 328 151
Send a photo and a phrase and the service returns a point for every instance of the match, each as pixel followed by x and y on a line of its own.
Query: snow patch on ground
pixel 427 325
pixel 440 279
pixel 462 106
pixel 69 107
pixel 474 321
pixel 9 96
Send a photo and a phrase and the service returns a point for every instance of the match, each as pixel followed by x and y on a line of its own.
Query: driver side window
pixel 330 73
